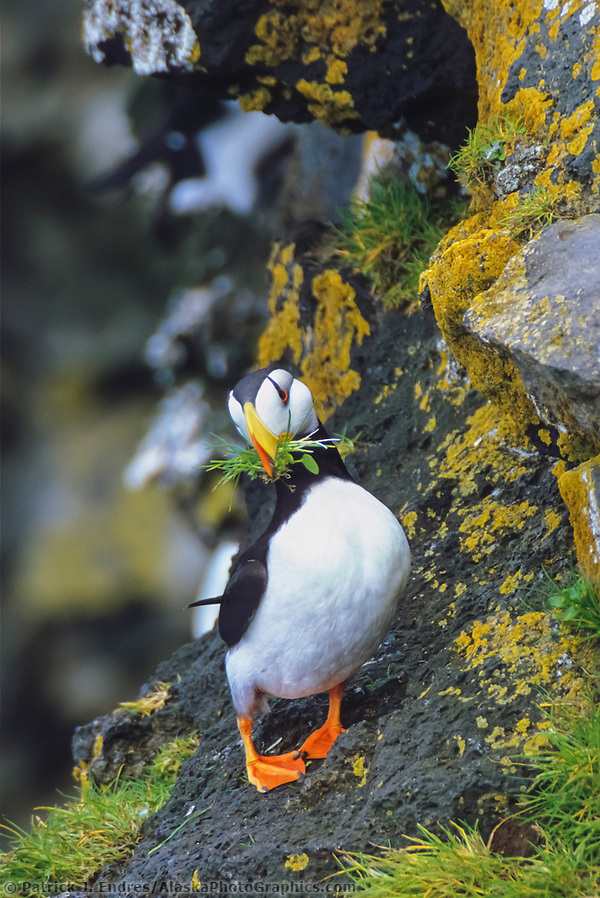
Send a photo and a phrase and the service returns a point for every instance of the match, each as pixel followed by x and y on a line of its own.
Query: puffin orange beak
pixel 264 440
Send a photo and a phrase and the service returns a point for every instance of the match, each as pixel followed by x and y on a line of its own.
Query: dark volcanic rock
pixel 354 66
pixel 436 719
pixel 543 315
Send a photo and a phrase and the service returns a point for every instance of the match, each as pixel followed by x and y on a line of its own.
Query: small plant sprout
pixel 147 704
pixel 577 606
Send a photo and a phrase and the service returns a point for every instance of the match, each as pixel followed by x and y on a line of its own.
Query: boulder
pixel 543 316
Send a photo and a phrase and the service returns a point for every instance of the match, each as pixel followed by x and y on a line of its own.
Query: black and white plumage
pixel 312 599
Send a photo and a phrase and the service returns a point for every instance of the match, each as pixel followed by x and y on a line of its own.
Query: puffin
pixel 311 600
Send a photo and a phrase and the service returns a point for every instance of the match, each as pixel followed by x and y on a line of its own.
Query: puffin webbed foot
pixel 318 743
pixel 267 772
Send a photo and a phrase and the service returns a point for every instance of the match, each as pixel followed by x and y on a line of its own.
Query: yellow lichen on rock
pixel 478 527
pixel 338 325
pixel 519 77
pixel 512 657
pixel 282 333
pixel 322 349
pixel 467 262
pixel 316 32
pixel 580 489
pixel 327 105
pixel 297 861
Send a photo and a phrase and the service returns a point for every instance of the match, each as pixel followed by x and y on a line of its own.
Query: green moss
pixel 391 236
pixel 100 825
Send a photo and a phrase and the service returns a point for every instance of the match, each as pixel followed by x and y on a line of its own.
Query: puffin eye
pixel 283 394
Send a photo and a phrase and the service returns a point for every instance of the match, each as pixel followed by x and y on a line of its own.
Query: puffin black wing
pixel 241 599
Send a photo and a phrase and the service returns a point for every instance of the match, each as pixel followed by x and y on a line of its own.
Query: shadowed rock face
pixel 435 720
pixel 353 66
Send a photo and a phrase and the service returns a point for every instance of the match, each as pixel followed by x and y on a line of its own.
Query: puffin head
pixel 268 403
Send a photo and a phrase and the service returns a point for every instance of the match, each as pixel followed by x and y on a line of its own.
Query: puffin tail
pixel 216 600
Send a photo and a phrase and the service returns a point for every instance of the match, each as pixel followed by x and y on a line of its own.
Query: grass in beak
pixel 237 461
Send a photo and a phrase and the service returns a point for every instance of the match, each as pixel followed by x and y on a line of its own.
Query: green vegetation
pixel 391 237
pixel 533 212
pixel 562 805
pixel 100 825
pixel 238 461
pixel 577 605
pixel 486 148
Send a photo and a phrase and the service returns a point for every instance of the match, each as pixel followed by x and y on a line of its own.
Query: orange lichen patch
pixel 337 70
pixel 553 520
pixel 531 105
pixel 317 30
pixel 408 521
pixel 467 262
pixel 255 100
pixel 323 349
pixel 338 325
pixel 478 527
pixel 511 583
pixel 389 388
pixel 580 489
pixel 327 105
pixel 483 448
pixel 529 655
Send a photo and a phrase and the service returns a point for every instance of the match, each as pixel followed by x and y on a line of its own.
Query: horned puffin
pixel 310 601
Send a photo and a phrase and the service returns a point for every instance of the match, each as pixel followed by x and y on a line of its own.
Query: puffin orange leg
pixel 266 772
pixel 318 743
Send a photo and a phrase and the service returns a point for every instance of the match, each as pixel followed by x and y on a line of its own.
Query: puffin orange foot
pixel 318 743
pixel 267 772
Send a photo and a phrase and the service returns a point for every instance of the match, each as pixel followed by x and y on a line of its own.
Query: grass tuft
pixel 391 237
pixel 486 149
pixel 101 825
pixel 533 212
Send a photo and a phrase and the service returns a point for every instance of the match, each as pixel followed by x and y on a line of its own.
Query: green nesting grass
pixel 391 237
pixel 100 825
pixel 236 461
